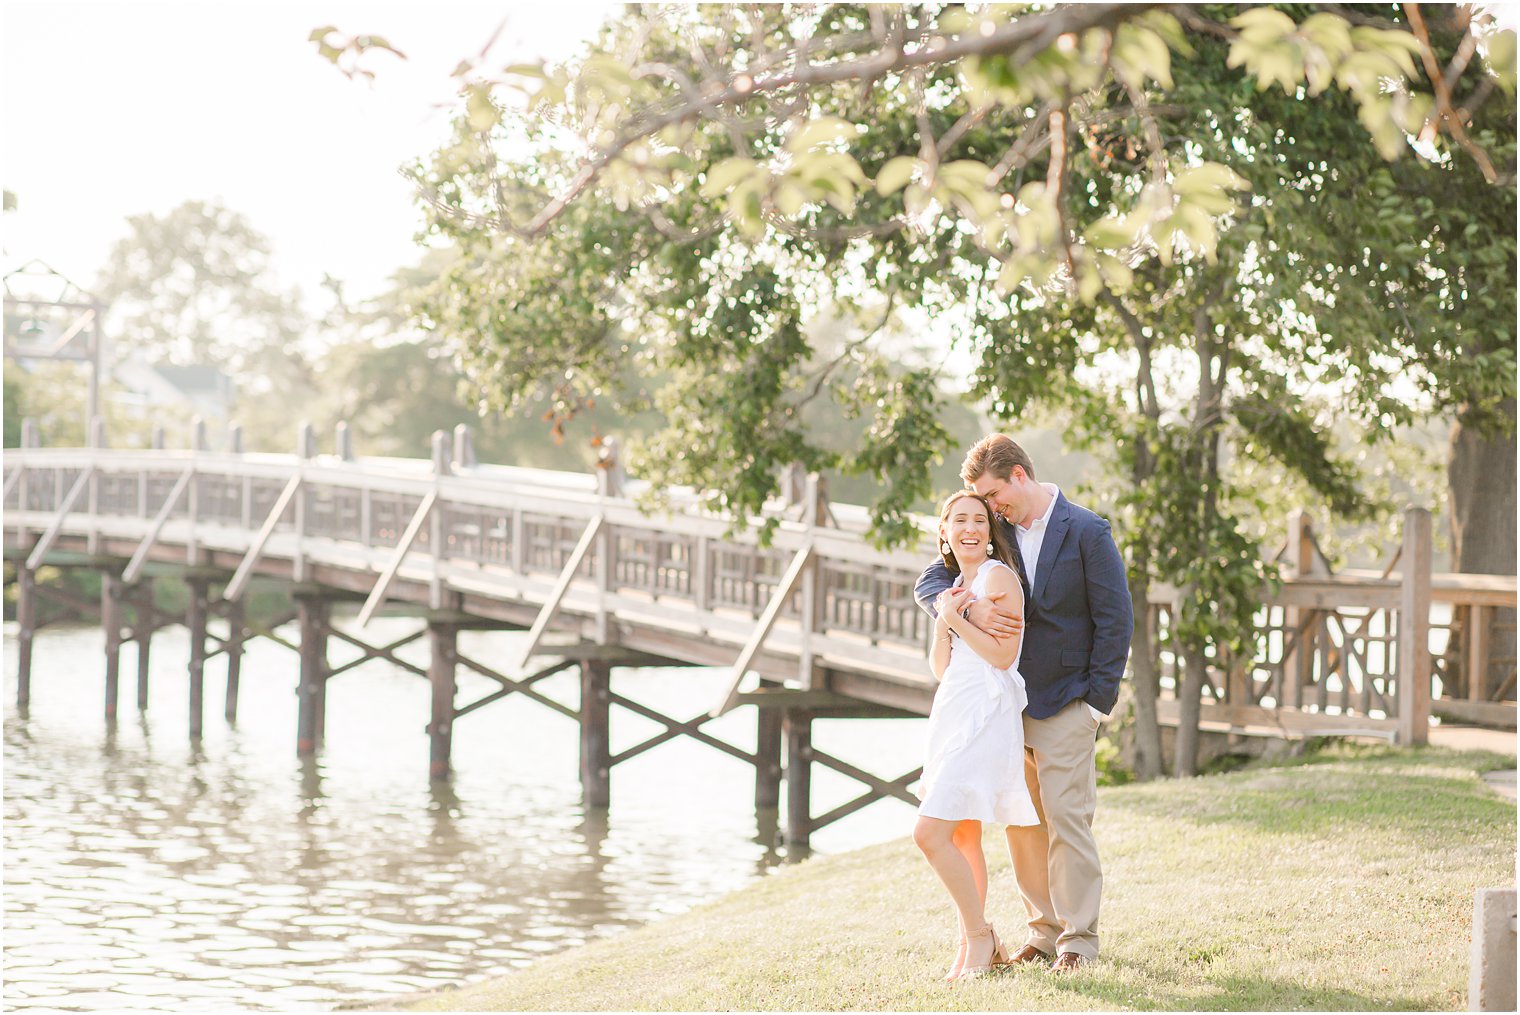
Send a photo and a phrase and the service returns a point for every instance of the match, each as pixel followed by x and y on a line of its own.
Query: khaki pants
pixel 1056 861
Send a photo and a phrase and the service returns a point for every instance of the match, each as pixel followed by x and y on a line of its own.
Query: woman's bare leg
pixel 936 838
pixel 967 838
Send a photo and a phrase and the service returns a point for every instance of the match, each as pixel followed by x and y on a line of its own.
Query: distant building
pixel 147 390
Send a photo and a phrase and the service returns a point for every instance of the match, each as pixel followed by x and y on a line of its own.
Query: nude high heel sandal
pixel 998 958
pixel 959 963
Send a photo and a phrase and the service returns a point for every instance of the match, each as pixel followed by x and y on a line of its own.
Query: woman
pixel 974 765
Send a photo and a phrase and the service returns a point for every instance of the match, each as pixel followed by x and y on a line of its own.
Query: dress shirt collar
pixel 1039 524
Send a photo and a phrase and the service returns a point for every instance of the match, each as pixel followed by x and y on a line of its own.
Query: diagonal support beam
pixel 869 797
pixel 268 632
pixel 523 687
pixel 51 535
pixel 11 481
pixel 566 576
pixel 239 582
pixel 80 323
pixel 386 652
pixel 135 565
pixel 377 594
pixel 784 591
pixel 673 729
pixel 879 786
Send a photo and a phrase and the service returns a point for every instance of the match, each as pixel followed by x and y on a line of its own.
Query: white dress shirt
pixel 1030 540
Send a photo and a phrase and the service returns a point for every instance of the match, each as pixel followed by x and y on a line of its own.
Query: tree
pixel 1090 199
pixel 196 286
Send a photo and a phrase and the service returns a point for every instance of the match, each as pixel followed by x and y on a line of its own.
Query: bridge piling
pixel 595 719
pixel 237 633
pixel 312 615
pixel 142 634
pixel 798 727
pixel 767 754
pixel 112 594
pixel 195 620
pixel 26 621
pixel 443 642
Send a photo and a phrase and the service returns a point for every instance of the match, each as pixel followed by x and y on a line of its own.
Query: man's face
pixel 1005 495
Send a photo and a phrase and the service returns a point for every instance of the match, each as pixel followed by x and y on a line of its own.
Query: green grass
pixel 1340 881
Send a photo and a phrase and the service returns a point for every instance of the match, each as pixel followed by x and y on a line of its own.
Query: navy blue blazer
pixel 1077 618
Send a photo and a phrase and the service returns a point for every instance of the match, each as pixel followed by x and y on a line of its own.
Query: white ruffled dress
pixel 974 762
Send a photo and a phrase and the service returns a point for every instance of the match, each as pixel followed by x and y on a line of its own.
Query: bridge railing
pixel 1358 651
pixel 490 522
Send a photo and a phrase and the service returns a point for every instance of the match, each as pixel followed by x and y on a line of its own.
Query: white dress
pixel 974 763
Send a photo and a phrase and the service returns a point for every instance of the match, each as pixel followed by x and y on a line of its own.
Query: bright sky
pixel 112 109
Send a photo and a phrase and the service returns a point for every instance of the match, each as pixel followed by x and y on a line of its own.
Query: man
pixel 1077 629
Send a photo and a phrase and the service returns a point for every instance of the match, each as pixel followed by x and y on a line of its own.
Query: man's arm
pixel 990 613
pixel 935 579
pixel 1113 617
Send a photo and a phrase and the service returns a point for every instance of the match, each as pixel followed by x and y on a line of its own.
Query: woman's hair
pixel 1000 548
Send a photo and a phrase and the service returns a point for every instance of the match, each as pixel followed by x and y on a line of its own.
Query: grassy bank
pixel 1342 881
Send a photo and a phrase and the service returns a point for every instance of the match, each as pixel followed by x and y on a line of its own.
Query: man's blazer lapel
pixel 1055 534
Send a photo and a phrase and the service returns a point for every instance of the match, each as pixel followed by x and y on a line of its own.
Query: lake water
pixel 142 873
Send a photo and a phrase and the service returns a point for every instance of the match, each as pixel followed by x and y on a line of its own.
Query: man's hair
pixel 997 454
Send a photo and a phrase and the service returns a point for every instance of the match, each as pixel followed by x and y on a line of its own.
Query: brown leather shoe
pixel 1028 954
pixel 1069 962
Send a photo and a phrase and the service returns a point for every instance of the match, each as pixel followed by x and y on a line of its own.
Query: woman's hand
pixel 949 603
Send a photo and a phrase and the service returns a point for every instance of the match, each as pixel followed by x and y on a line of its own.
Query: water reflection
pixel 144 872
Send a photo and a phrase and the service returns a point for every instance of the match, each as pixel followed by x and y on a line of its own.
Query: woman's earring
pixel 944 546
pixel 989 548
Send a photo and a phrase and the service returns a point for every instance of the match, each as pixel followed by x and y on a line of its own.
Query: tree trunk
pixel 1481 476
pixel 1189 707
pixel 1146 676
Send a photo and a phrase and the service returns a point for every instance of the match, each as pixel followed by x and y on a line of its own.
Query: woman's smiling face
pixel 967 527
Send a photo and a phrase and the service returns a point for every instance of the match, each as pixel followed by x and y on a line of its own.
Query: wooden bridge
pixel 816 624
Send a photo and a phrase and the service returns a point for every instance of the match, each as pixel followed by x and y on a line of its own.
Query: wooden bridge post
pixel 97 442
pixel 1479 618
pixel 142 634
pixel 443 640
pixel 596 753
pixel 195 620
pixel 193 495
pixel 236 634
pixel 26 622
pixel 112 593
pixel 1299 663
pixel 798 725
pixel 344 441
pixel 312 613
pixel 306 448
pixel 436 542
pixel 767 753
pixel 1414 630
pixel 464 447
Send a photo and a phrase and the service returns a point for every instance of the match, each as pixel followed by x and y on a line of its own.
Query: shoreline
pixel 1301 885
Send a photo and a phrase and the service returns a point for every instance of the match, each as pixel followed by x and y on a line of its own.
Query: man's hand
pixel 989 615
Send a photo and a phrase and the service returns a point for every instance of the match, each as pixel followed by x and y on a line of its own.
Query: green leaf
pixel 790 198
pixel 1263 24
pixel 318 34
pixel 482 112
pixel 523 70
pixel 1209 176
pixel 823 130
pixel 1015 270
pixel 1501 59
pixel 1111 231
pixel 895 174
pixel 722 177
